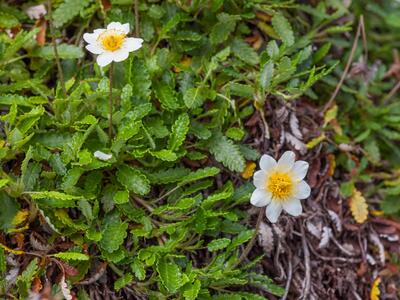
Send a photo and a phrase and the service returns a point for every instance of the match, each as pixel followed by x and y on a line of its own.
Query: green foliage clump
pixel 165 212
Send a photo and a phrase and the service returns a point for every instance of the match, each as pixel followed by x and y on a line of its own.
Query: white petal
pixel 120 55
pixel 90 38
pixel 132 44
pixel 126 28
pixel 273 211
pixel 299 170
pixel 260 198
pixel 104 59
pixel 285 163
pixel 267 162
pixel 118 26
pixel 102 156
pixel 303 190
pixel 259 179
pixel 293 207
pixel 94 48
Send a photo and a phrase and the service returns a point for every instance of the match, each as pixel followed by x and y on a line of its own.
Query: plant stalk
pixel 110 124
pixel 57 57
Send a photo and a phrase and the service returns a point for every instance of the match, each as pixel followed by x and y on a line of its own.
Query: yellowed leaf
pixel 248 170
pixel 358 207
pixel 330 114
pixel 20 217
pixel 315 141
pixel 375 291
pixel 16 252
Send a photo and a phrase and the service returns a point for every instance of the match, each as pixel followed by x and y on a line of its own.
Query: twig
pixel 143 203
pixel 307 280
pixel 392 92
pixel 110 124
pixel 136 8
pixel 57 57
pixel 289 275
pixel 253 239
pixel 348 64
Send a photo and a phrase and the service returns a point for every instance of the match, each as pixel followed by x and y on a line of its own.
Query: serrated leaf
pixel 221 30
pixel 266 75
pixel 243 51
pixel 194 97
pixel 190 291
pixel 71 256
pixel 166 96
pixel 133 180
pixel 114 233
pixel 200 174
pixel 65 51
pixel 226 152
pixel 67 11
pixel 121 197
pixel 53 194
pixel 179 131
pixel 138 268
pixel 123 281
pixel 170 274
pixel 218 244
pixel 283 28
pixel 358 207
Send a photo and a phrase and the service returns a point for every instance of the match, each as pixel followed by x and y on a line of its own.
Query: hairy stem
pixel 53 41
pixel 253 239
pixel 110 124
pixel 136 8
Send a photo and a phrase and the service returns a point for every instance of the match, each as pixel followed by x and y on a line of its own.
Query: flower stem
pixel 253 239
pixel 110 129
pixel 57 57
pixel 136 9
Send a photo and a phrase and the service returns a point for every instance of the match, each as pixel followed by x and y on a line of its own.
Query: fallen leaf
pixel 41 36
pixel 332 164
pixel 358 207
pixel 375 291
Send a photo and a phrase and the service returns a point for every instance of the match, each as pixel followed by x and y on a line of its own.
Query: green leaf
pixel 221 30
pixel 121 197
pixel 235 133
pixel 283 28
pixel 67 11
pixel 24 280
pixel 266 75
pixel 20 40
pixel 133 180
pixel 8 20
pixel 53 194
pixel 191 291
pixel 166 96
pixel 226 152
pixel 65 51
pixel 179 131
pixel 218 244
pixel 138 268
pixel 114 233
pixel 200 174
pixel 71 256
pixel 123 281
pixel 9 209
pixel 243 51
pixel 170 274
pixel 194 97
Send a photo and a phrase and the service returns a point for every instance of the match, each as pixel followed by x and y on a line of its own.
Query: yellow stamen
pixel 280 185
pixel 112 39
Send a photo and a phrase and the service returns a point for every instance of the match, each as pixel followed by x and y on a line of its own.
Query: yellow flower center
pixel 280 185
pixel 112 39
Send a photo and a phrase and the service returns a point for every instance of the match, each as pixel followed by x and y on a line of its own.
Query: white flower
pixel 111 44
pixel 102 156
pixel 280 185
